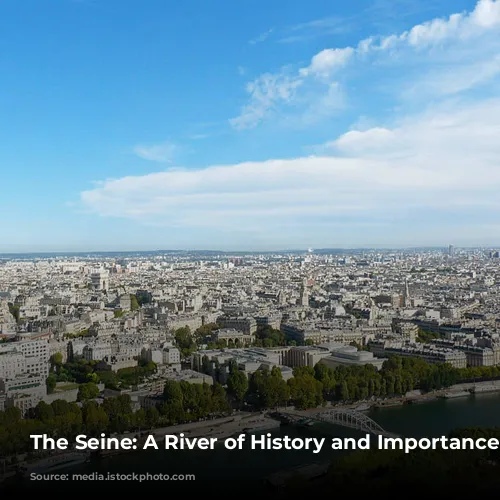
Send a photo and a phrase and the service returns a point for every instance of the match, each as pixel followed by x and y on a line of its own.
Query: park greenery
pixel 14 310
pixel 81 333
pixel 183 402
pixel 424 337
pixel 397 376
pixel 63 419
pixel 134 303
pixel 308 388
pixel 265 336
pixel 81 371
pixel 312 387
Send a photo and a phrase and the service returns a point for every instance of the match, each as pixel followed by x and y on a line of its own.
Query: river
pixel 430 419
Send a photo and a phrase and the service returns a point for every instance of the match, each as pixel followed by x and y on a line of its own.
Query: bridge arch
pixel 345 418
pixel 350 418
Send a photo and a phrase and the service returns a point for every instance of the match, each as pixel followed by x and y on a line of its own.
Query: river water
pixel 430 419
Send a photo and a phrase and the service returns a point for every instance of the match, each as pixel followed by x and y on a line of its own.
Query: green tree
pixel 267 336
pixel 140 418
pixel 219 399
pixel 134 304
pixel 95 418
pixel 152 417
pixel 56 360
pixel 305 390
pixel 173 412
pixel 43 412
pixel 87 391
pixel 119 411
pixel 184 341
pixel 51 383
pixel 200 334
pixel 14 310
pixel 205 365
pixel 237 385
pixel 172 392
pixel 268 388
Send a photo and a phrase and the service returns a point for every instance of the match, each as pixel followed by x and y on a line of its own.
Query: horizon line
pixel 283 250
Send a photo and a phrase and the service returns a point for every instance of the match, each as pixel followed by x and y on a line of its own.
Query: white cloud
pixel 487 13
pixel 485 16
pixel 464 46
pixel 163 153
pixel 330 100
pixel 445 160
pixel 453 78
pixel 437 170
pixel 265 93
pixel 327 61
pixel 262 37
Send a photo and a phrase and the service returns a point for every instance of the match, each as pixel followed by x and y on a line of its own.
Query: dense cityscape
pixel 250 248
pixel 118 343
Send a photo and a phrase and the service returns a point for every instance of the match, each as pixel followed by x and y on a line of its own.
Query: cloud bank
pixel 437 165
pixel 445 55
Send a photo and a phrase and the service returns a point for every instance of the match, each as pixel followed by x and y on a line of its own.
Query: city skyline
pixel 368 125
pixel 200 252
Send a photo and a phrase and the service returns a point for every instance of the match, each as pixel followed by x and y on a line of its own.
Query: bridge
pixel 345 418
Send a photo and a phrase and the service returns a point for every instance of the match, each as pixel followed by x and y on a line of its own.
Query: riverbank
pixel 219 428
pixel 242 470
pixel 244 422
pixel 453 392
pixel 414 397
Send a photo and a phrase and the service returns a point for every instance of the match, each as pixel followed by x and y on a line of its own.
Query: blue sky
pixel 130 125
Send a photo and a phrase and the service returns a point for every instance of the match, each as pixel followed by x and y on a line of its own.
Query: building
pixel 304 356
pixel 316 333
pixel 476 355
pixel 164 354
pixel 244 324
pixel 232 336
pixel 23 392
pixel 100 280
pixel 302 333
pixel 429 352
pixel 273 320
pixel 406 296
pixel 12 364
pixel 350 356
pixel 24 357
pixel 117 362
pixel 407 330
pixel 97 351
pixel 217 362
pixel 304 295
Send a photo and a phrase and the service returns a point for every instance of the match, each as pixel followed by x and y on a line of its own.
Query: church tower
pixel 304 294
